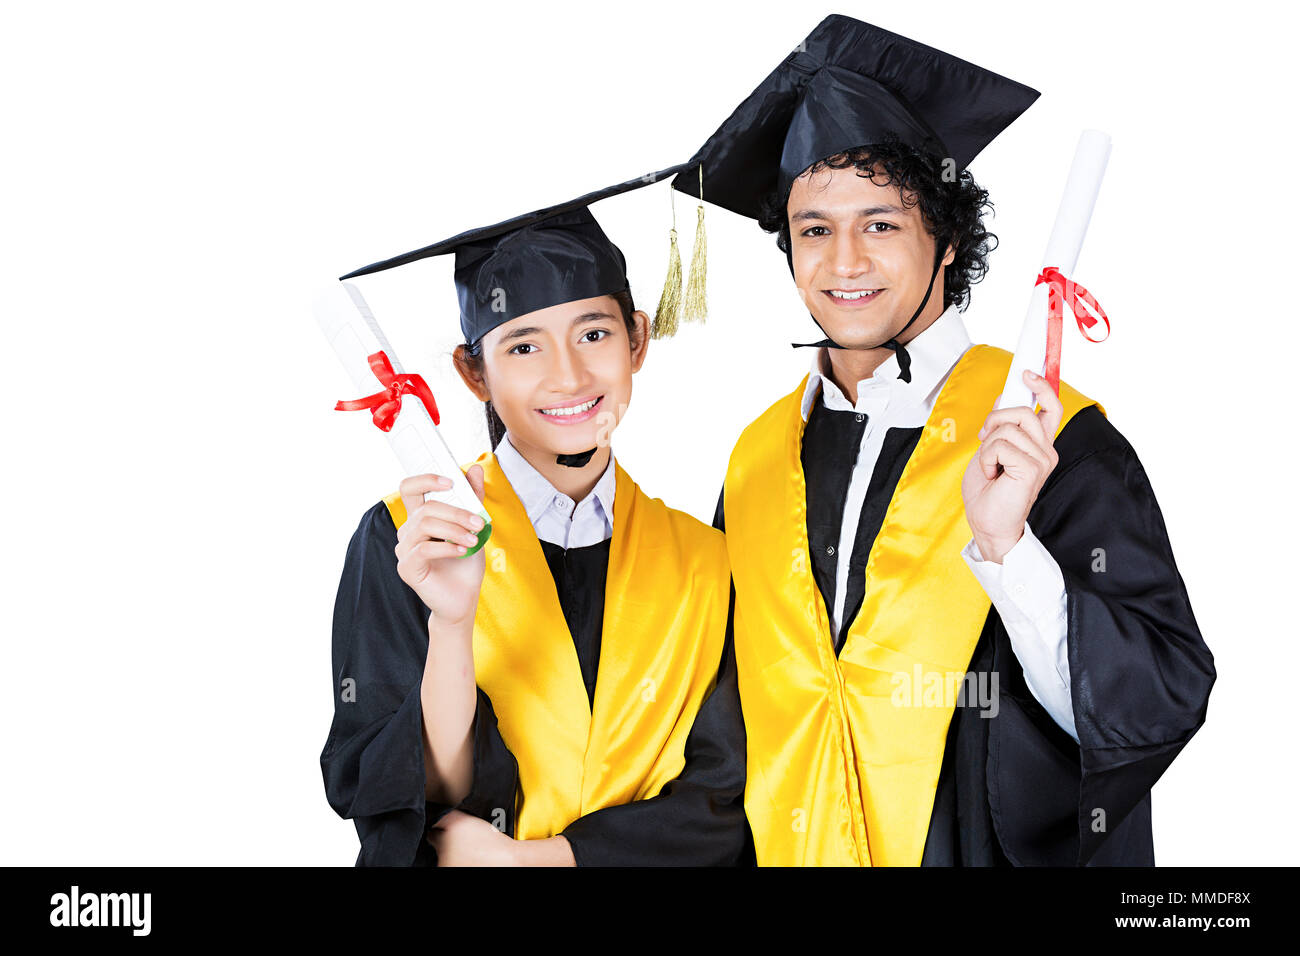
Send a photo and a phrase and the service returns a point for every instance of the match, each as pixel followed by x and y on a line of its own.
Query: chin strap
pixel 900 353
pixel 575 461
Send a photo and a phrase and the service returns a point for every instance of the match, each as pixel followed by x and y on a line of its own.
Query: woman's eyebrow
pixel 519 333
pixel 532 330
pixel 804 214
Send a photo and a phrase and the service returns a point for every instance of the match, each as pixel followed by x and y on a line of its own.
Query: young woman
pixel 566 694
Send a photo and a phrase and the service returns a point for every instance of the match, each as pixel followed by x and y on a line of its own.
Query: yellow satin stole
pixel 844 753
pixel 666 596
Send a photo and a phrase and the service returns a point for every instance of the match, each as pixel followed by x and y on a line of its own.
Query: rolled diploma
pixel 351 329
pixel 1063 247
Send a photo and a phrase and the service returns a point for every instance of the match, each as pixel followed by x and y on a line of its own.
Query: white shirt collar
pixel 934 352
pixel 540 498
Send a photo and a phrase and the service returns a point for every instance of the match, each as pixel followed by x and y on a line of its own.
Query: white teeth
pixel 572 410
pixel 852 295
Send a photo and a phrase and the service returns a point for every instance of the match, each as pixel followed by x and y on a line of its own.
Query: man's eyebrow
pixel 590 317
pixel 533 330
pixel 805 214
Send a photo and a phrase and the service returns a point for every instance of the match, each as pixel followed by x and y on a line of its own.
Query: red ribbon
pixel 1062 290
pixel 386 404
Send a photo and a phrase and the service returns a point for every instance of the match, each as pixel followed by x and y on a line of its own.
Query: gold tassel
pixel 668 314
pixel 696 307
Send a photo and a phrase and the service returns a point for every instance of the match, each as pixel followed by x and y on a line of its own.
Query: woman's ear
pixel 642 342
pixel 470 370
pixel 950 256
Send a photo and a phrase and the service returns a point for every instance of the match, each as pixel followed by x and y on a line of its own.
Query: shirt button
pixel 859 417
pixel 830 549
pixel 1018 589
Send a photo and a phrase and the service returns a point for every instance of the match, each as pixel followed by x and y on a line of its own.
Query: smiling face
pixel 862 257
pixel 561 378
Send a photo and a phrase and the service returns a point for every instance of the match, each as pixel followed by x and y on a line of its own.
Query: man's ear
pixel 642 321
pixel 470 373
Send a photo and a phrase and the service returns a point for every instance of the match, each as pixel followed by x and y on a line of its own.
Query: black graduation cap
pixel 851 84
pixel 534 261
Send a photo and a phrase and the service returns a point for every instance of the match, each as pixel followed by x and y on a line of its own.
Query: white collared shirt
pixel 1027 588
pixel 554 515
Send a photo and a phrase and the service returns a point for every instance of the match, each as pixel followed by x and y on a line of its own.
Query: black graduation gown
pixel 373 760
pixel 1016 789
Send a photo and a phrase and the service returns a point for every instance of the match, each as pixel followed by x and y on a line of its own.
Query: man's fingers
pixel 1002 452
pixel 1020 415
pixel 1023 440
pixel 1052 408
pixel 987 456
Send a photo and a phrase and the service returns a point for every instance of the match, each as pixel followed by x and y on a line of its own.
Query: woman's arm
pixel 464 840
pixel 432 560
pixel 553 851
pixel 372 762
pixel 375 759
pixel 448 698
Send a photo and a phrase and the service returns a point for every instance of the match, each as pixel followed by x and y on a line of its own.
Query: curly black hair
pixel 952 206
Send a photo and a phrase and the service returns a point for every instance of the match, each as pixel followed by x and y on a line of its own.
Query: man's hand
pixel 465 840
pixel 1004 477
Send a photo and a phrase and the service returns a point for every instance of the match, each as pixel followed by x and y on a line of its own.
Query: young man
pixel 961 637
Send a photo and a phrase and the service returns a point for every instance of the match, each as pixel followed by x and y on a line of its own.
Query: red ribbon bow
pixel 386 404
pixel 1062 290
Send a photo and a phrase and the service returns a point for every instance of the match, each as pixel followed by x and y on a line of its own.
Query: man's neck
pixel 848 367
pixel 577 483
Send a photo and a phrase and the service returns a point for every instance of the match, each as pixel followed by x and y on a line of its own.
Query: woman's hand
pixel 431 545
pixel 464 840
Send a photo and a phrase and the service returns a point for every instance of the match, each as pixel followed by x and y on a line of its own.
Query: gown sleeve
pixel 373 760
pixel 698 819
pixel 1140 673
pixel 1028 593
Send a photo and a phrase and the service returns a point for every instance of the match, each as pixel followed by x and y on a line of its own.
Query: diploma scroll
pixel 1063 247
pixel 351 329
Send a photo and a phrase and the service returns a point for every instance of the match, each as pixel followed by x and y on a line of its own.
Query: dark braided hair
pixel 952 207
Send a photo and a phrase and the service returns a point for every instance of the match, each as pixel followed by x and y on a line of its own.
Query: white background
pixel 180 179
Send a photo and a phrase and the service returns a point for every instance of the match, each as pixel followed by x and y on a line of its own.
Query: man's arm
pixel 1140 672
pixel 1028 592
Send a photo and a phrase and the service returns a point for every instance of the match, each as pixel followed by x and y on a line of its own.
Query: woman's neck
pixel 577 483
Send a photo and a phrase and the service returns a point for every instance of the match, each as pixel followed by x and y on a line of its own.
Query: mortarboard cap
pixel 534 261
pixel 851 84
